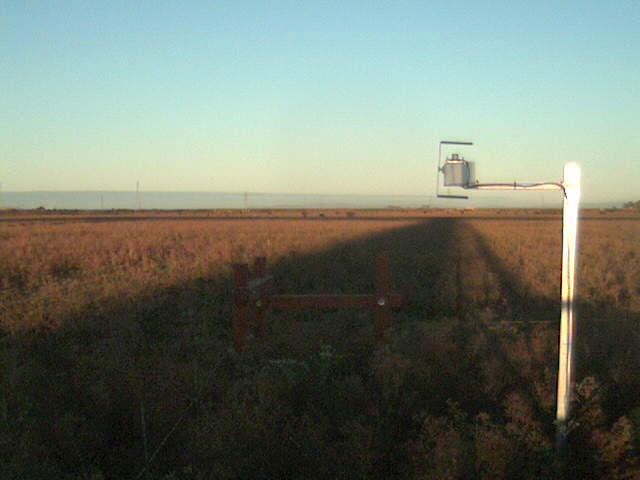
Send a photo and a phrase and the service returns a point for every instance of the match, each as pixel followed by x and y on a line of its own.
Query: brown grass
pixel 117 335
pixel 51 272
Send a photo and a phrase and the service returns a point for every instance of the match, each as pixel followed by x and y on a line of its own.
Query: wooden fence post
pixel 382 297
pixel 240 305
pixel 260 272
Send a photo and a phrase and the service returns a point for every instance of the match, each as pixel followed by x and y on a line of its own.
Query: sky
pixel 317 97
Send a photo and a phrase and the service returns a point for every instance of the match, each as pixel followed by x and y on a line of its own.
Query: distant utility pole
pixel 246 201
pixel 137 207
pixel 101 202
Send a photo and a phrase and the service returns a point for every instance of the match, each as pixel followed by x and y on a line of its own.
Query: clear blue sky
pixel 322 97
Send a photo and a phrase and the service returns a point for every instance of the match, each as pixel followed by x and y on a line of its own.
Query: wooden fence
pixel 253 297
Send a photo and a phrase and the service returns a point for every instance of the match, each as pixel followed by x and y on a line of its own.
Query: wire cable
pixel 516 185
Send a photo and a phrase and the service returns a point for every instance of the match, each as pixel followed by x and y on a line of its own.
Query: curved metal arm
pixel 518 186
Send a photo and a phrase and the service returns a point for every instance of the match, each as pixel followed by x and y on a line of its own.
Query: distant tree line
pixel 634 205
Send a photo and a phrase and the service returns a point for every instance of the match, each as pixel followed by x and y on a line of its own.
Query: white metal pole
pixel 571 184
pixel 571 188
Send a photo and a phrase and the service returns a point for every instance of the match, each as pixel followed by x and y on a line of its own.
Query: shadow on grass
pixel 152 383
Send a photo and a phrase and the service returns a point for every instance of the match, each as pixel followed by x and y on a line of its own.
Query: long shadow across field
pixel 520 300
pixel 604 330
pixel 107 387
pixel 127 377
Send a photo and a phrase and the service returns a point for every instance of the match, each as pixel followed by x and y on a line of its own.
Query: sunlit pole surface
pixel 567 318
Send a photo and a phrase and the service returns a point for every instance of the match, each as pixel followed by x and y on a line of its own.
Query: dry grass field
pixel 115 358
